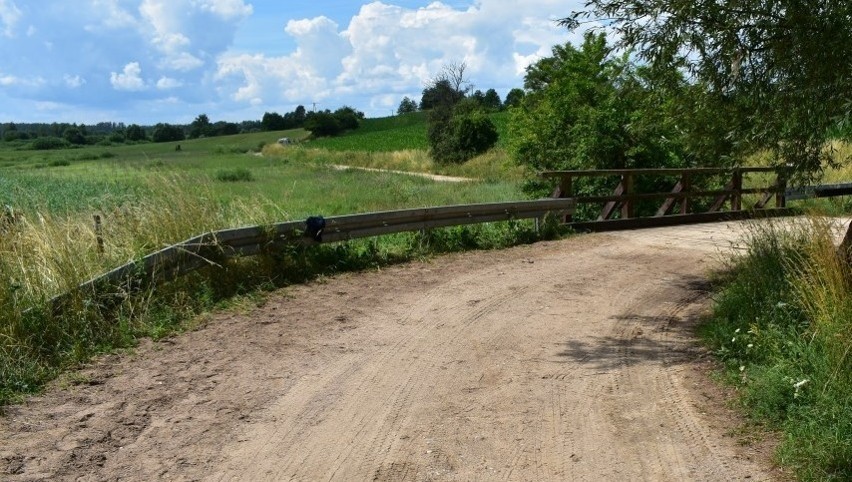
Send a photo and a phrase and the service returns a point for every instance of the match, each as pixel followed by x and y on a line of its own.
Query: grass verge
pixel 782 325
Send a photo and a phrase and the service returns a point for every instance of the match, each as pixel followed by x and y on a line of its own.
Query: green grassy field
pixel 102 178
pixel 152 195
pixel 397 133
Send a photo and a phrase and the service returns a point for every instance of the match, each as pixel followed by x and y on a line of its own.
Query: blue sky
pixel 148 61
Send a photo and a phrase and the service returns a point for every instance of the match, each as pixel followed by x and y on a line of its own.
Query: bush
pixel 323 124
pixel 459 133
pixel 48 143
pixel 235 175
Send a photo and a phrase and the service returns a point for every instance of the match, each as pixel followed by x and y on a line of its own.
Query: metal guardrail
pixel 207 249
pixel 825 190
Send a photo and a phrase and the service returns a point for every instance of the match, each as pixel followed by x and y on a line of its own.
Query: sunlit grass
pixel 782 326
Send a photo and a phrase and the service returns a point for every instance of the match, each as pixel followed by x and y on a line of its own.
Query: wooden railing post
pixel 737 187
pixel 566 189
pixel 781 194
pixel 685 187
pixel 628 207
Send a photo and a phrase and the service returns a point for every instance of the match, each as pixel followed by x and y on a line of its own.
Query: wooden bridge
pixel 637 200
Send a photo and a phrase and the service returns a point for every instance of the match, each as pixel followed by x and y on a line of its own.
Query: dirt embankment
pixel 569 360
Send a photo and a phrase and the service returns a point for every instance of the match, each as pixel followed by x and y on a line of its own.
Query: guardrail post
pixel 737 187
pixel 685 187
pixel 628 209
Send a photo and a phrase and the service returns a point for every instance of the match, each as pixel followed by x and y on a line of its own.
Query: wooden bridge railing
pixel 619 209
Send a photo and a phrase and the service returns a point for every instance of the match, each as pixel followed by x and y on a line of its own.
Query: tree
pixel 135 133
pixel 406 106
pixel 587 108
pixel 222 128
pixel 200 127
pixel 491 101
pixel 322 124
pixel 348 118
pixel 74 136
pixel 513 98
pixel 167 133
pixel 273 121
pixel 447 88
pixel 785 62
pixel 299 116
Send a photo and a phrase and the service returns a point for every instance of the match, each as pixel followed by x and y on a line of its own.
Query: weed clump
pixel 235 175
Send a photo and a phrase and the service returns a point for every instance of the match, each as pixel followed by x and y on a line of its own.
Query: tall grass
pixel 492 166
pixel 783 326
pixel 43 255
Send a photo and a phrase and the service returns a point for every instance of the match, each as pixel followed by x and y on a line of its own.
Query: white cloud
pixel 189 32
pixel 387 51
pixel 182 61
pixel 8 80
pixel 166 83
pixel 113 15
pixel 183 49
pixel 320 46
pixel 227 9
pixel 10 14
pixel 130 79
pixel 73 81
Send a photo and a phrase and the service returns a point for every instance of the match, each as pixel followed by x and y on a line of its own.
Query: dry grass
pixel 494 165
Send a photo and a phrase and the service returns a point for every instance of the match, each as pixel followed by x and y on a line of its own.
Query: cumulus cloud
pixel 320 46
pixel 130 79
pixel 79 53
pixel 387 51
pixel 10 14
pixel 189 32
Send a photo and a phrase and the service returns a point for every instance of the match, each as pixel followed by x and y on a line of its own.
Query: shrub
pixel 47 143
pixel 235 175
pixel 322 124
pixel 459 133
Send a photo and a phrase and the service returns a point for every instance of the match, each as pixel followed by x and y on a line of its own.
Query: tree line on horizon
pixel 62 135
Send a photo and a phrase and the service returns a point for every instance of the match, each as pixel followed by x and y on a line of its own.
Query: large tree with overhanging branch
pixel 786 62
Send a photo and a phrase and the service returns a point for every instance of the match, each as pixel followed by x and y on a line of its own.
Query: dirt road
pixel 569 360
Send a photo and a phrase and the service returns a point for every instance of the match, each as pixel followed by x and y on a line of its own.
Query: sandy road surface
pixel 569 360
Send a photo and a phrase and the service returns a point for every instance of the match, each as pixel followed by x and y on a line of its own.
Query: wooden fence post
pixel 685 187
pixel 628 207
pixel 566 188
pixel 99 236
pixel 737 187
pixel 781 195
